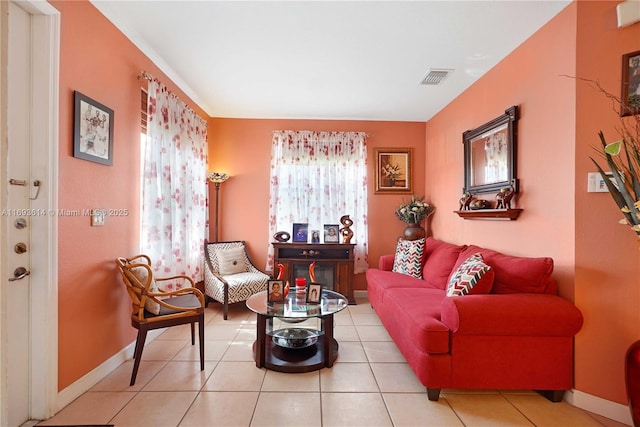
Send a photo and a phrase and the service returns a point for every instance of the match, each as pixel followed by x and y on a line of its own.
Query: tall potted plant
pixel 622 157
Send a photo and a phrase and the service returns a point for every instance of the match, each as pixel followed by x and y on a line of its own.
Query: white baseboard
pixel 600 406
pixel 75 390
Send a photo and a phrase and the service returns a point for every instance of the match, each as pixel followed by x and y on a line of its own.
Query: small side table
pixel 295 349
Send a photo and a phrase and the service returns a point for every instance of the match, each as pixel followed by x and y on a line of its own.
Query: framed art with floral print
pixel 630 84
pixel 393 169
pixel 92 130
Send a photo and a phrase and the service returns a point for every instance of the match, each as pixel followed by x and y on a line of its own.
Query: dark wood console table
pixel 334 264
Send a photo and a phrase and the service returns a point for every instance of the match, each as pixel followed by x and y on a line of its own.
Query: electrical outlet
pixel 97 217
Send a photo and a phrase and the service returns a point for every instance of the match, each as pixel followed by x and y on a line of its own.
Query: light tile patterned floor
pixel 369 385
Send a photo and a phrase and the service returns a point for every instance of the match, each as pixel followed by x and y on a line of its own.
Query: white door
pixel 29 280
pixel 19 215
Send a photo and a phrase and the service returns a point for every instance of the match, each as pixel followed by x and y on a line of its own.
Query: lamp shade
pixel 217 177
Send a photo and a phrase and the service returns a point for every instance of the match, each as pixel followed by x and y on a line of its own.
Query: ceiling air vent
pixel 435 76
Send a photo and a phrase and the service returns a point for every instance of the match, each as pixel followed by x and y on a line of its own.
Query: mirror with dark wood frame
pixel 490 155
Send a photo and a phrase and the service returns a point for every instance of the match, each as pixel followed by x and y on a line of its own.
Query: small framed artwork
pixel 92 130
pixel 630 84
pixel 314 290
pixel 331 233
pixel 300 232
pixel 315 236
pixel 275 291
pixel 393 170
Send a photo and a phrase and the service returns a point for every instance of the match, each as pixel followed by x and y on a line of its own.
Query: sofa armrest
pixel 385 263
pixel 511 314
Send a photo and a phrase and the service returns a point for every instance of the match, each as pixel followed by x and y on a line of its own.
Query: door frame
pixel 44 159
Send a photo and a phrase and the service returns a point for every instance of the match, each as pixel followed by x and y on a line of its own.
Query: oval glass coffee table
pixel 291 348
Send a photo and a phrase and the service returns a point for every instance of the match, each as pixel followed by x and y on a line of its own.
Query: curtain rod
pixel 145 76
pixel 319 131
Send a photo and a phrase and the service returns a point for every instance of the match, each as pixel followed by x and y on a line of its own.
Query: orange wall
pixel 607 253
pixel 242 148
pixel 596 259
pixel 545 151
pixel 99 61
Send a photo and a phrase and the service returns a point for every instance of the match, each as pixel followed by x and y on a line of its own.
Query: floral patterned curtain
pixel 316 178
pixel 174 186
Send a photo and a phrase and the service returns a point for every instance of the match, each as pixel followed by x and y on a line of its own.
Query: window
pixel 316 178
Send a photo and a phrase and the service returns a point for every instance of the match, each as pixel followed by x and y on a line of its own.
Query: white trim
pixel 44 166
pixel 600 406
pixel 44 315
pixel 90 379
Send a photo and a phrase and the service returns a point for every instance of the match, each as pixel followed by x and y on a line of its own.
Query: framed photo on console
pixel 300 232
pixel 275 291
pixel 314 290
pixel 331 233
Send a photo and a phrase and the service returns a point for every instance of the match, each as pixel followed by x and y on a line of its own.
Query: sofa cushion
pixel 473 276
pixel 514 274
pixel 440 258
pixel 408 258
pixel 412 318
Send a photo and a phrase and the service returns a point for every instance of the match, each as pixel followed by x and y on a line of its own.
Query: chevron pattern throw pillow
pixel 473 276
pixel 408 259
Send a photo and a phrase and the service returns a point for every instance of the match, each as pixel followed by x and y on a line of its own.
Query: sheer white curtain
pixel 316 178
pixel 174 185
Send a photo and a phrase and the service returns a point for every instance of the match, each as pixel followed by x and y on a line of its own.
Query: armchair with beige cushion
pixel 160 303
pixel 229 274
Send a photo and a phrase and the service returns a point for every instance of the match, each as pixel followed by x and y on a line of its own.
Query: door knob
pixel 19 274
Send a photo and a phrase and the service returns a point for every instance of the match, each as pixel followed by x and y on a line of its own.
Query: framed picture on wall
pixel 630 84
pixel 92 130
pixel 393 170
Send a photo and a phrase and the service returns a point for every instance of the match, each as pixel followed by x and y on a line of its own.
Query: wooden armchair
pixel 153 308
pixel 230 275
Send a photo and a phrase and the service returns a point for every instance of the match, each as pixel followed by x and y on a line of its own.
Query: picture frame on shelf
pixel 275 291
pixel 314 292
pixel 331 233
pixel 92 130
pixel 393 170
pixel 300 232
pixel 630 84
pixel 315 236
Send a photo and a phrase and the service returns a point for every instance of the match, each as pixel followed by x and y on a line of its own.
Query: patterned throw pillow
pixel 408 259
pixel 231 261
pixel 473 276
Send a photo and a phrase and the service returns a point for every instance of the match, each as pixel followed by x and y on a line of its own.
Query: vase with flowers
pixel 413 213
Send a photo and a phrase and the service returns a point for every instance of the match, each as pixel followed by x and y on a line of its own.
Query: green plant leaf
pixel 613 148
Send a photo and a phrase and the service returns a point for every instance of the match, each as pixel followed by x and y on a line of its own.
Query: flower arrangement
pixel 391 171
pixel 623 159
pixel 414 211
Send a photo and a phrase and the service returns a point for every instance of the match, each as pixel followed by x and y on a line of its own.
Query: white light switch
pixel 595 183
pixel 97 217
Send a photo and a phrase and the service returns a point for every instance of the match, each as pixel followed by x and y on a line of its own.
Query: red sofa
pixel 517 336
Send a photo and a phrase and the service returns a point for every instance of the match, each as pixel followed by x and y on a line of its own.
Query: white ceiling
pixel 356 60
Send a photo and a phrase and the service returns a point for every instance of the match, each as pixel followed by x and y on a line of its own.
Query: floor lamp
pixel 217 178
